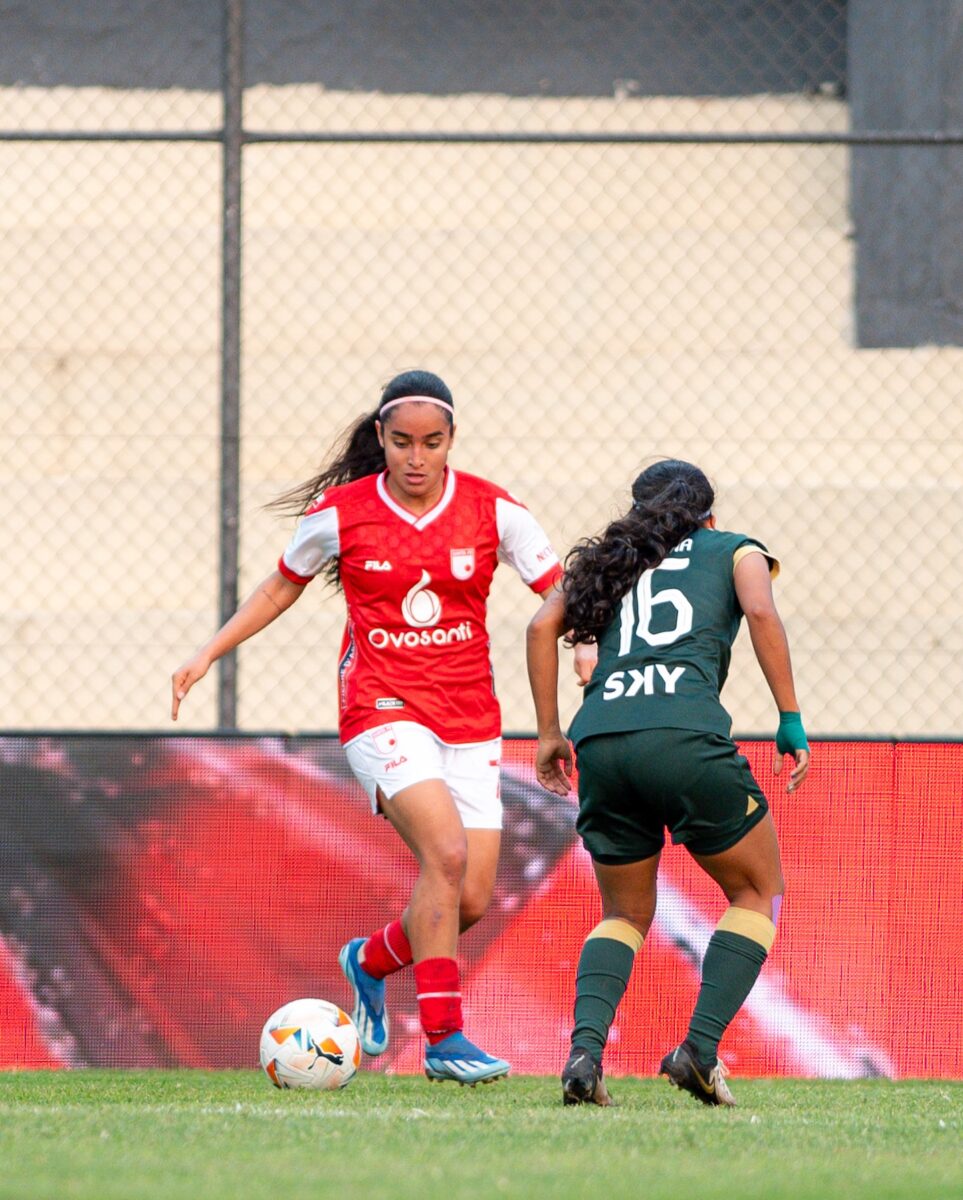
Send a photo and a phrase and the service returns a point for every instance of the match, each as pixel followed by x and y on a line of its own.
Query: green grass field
pixel 190 1134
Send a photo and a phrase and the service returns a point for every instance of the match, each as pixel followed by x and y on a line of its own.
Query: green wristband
pixel 790 736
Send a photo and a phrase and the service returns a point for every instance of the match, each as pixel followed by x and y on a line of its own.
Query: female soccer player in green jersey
pixel 662 593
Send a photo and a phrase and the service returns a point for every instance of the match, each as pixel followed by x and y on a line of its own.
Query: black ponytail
pixel 670 499
pixel 357 452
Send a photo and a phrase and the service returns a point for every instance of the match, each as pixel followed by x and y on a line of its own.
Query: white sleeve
pixel 524 545
pixel 315 540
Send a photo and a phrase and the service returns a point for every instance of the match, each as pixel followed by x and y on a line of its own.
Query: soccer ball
pixel 310 1044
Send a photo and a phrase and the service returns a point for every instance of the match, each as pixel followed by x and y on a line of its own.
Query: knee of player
pixel 761 899
pixel 638 916
pixel 450 861
pixel 757 890
pixel 473 907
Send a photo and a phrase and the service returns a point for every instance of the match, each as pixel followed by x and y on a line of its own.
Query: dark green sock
pixel 604 968
pixel 731 966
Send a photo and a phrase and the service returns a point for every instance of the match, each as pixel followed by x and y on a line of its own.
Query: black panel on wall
pixel 906 75
pixel 516 47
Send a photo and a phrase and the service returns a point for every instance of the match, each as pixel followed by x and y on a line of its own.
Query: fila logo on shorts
pixel 389 757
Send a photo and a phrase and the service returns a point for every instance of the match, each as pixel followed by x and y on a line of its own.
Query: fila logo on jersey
pixel 643 681
pixel 374 564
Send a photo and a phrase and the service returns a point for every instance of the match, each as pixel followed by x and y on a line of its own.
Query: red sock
pixel 439 997
pixel 386 951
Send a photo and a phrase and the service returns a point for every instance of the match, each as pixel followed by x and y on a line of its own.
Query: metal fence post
pixel 233 90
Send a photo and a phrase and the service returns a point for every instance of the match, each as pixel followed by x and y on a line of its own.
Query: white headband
pixel 417 400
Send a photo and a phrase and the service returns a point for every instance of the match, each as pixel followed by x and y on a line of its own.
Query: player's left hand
pixel 553 764
pixel 791 739
pixel 585 660
pixel 799 771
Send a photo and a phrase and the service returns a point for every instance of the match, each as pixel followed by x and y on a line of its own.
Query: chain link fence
pixel 616 234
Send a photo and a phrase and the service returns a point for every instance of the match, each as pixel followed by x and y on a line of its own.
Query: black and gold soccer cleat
pixel 582 1081
pixel 707 1084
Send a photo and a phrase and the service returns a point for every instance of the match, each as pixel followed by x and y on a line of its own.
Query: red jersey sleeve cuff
pixel 292 575
pixel 552 575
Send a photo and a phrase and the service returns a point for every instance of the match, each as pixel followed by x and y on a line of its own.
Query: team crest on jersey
pixel 463 563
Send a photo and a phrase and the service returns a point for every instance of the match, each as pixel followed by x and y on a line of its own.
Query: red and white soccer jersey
pixel 415 645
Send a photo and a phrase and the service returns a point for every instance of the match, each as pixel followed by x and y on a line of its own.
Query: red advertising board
pixel 159 897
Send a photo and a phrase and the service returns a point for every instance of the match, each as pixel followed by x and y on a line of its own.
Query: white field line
pixel 322 1113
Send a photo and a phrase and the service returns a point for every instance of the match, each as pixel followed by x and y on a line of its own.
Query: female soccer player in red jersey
pixel 662 592
pixel 413 545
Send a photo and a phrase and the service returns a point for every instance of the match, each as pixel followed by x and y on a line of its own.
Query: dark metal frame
pixel 233 76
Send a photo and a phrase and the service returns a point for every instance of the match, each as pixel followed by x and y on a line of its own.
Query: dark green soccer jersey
pixel 665 656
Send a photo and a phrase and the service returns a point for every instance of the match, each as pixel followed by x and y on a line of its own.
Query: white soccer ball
pixel 310 1044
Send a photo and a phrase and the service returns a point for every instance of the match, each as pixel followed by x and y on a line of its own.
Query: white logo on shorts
pixel 385 739
pixel 463 563
pixel 421 607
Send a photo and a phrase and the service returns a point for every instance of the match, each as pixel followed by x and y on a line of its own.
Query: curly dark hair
pixel 670 499
pixel 357 451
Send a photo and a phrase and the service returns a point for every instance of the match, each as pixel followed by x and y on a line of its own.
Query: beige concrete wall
pixel 590 306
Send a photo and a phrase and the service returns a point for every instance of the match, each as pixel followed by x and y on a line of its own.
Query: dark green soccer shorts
pixel 632 786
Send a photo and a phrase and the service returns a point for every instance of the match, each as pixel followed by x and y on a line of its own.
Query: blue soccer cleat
pixel 455 1057
pixel 369 1012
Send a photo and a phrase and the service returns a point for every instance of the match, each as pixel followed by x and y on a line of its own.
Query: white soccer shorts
pixel 396 755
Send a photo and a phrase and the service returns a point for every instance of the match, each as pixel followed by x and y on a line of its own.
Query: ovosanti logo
pixel 421 607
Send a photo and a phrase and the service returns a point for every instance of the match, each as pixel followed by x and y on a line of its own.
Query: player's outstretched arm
pixel 553 760
pixel 754 591
pixel 269 599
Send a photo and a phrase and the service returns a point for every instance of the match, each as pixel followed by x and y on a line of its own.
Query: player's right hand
pixel 184 679
pixel 553 764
